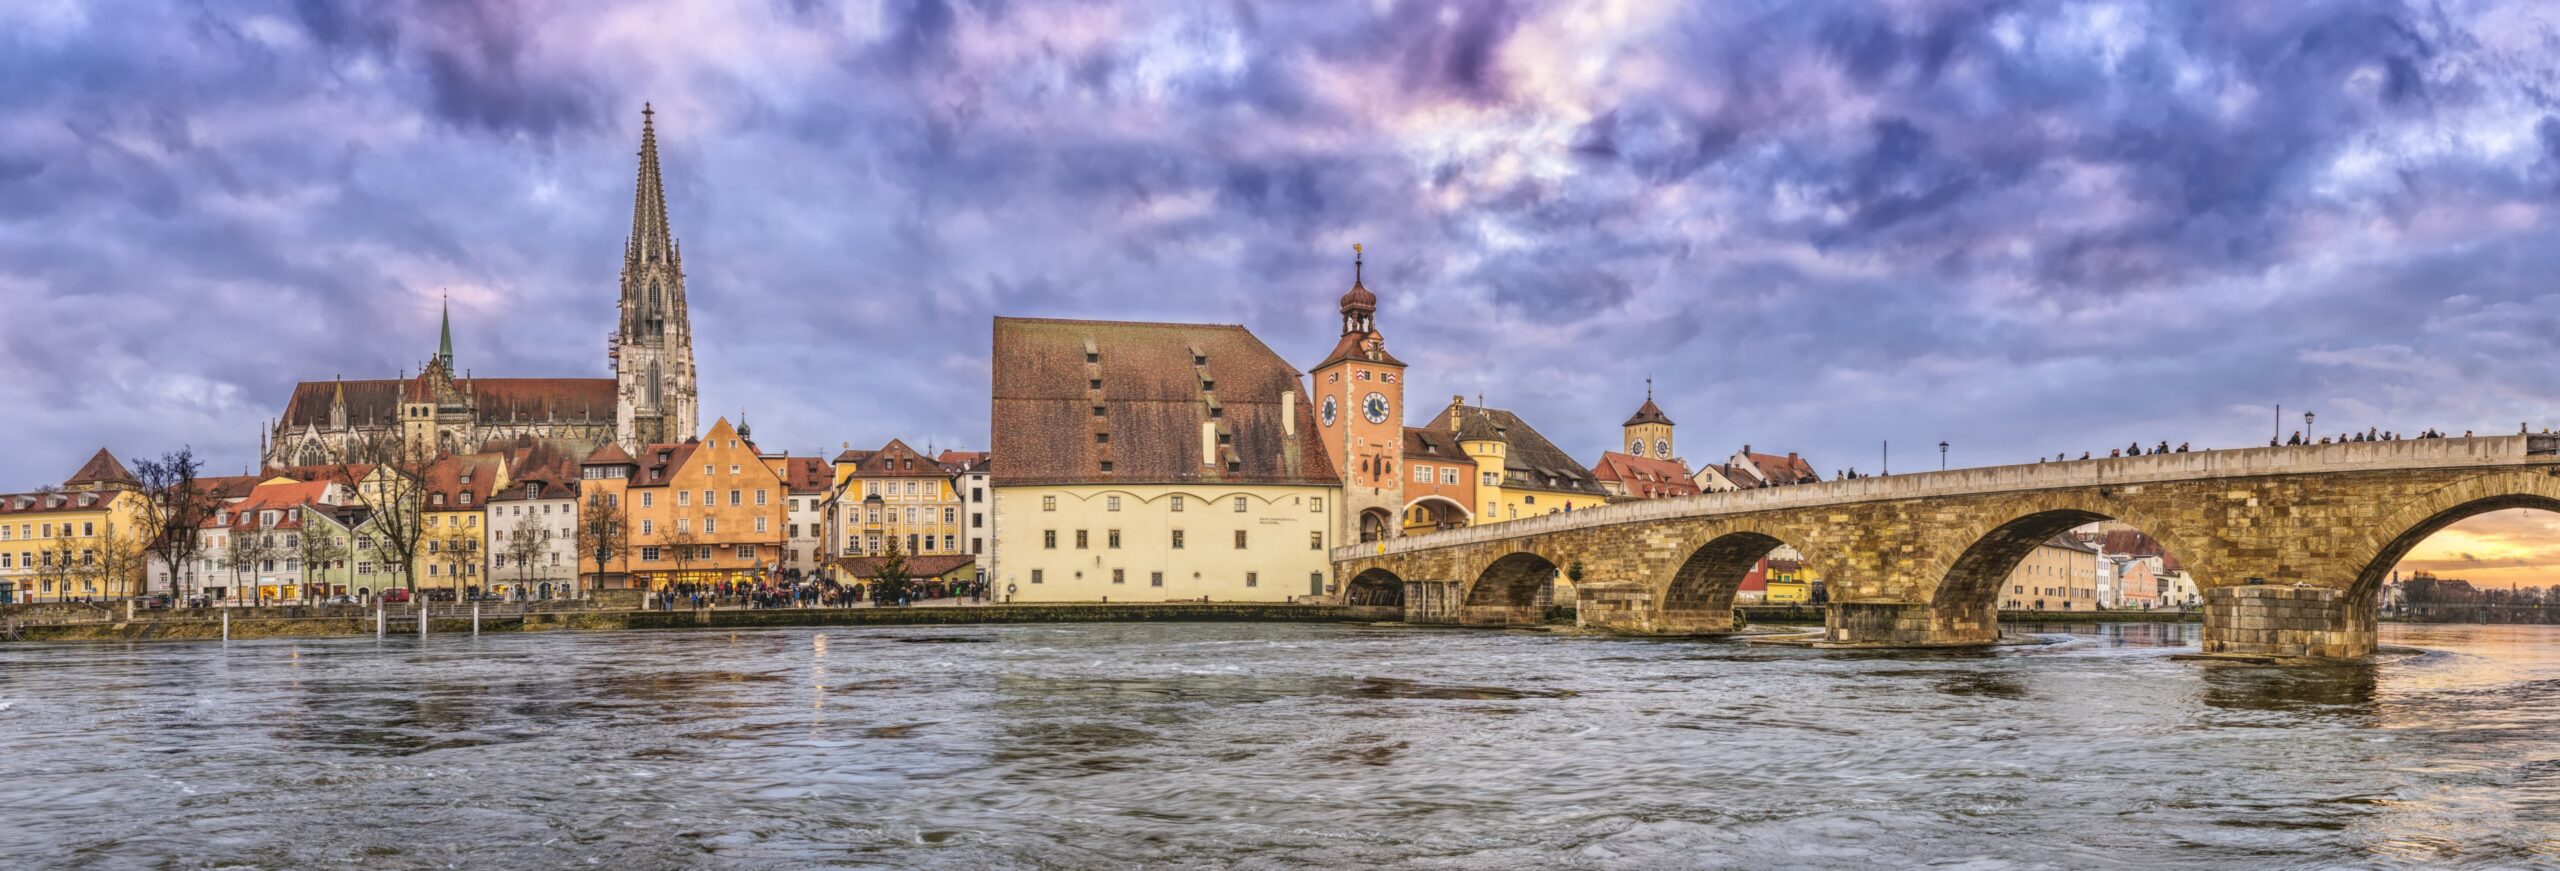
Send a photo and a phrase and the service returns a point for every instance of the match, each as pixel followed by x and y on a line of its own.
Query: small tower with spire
pixel 1359 396
pixel 652 348
pixel 1649 430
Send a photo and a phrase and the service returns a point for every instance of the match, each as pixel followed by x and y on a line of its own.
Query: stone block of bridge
pixel 1629 608
pixel 1434 602
pixel 1895 624
pixel 2288 621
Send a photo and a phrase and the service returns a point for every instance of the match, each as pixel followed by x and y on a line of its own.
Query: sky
pixel 2021 228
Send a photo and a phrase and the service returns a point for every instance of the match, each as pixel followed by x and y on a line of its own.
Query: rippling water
pixel 1270 745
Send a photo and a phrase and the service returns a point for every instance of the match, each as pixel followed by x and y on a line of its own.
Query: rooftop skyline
pixel 1817 226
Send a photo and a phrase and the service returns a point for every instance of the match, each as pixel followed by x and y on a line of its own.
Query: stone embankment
pixel 339 621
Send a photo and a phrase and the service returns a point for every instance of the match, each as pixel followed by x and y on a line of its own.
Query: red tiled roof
pixel 896 460
pixel 286 498
pixel 1354 346
pixel 1645 477
pixel 658 463
pixel 806 475
pixel 950 457
pixel 1425 443
pixel 1648 413
pixel 347 474
pixel 608 454
pixel 1789 469
pixel 443 477
pixel 1160 383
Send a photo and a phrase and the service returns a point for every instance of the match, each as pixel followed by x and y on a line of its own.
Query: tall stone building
pixel 1359 390
pixel 652 350
pixel 650 399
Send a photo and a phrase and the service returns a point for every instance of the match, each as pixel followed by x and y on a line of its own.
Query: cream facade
pixel 2058 575
pixel 1153 543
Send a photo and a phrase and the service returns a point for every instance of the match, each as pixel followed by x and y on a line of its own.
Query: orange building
pixel 707 511
pixel 1439 481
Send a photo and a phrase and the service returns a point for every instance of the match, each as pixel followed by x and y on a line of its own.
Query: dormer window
pixel 436 499
pixel 1208 384
pixel 1199 359
pixel 1092 356
pixel 1095 383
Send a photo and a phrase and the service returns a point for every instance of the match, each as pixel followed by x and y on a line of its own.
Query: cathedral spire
pixel 444 347
pixel 651 239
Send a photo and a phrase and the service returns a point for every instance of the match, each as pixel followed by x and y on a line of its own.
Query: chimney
pixel 1791 455
pixel 1746 449
pixel 1455 401
pixel 1289 412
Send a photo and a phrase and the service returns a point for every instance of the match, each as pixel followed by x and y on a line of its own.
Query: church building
pixel 650 398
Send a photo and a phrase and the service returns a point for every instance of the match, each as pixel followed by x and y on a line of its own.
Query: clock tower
pixel 1359 396
pixel 1649 430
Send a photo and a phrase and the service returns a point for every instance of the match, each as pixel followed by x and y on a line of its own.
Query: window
pixel 1097 411
pixel 1106 465
pixel 1155 579
pixel 1177 502
pixel 760 525
pixel 1448 476
pixel 1080 539
pixel 710 498
pixel 1119 576
pixel 1111 503
pixel 1239 505
pixel 1050 503
pixel 760 500
pixel 1315 541
pixel 1252 579
pixel 702 552
pixel 88 530
pixel 364 568
pixel 1239 539
pixel 1035 576
pixel 746 551
pixel 950 515
pixel 950 542
pixel 1422 474
pixel 1488 480
pixel 1048 539
pixel 733 467
pixel 1111 539
pixel 1316 505
pixel 684 497
pixel 733 499
pixel 1102 438
pixel 911 488
pixel 706 470
pixel 1177 539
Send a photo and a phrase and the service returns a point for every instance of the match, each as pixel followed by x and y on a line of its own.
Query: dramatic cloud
pixel 2023 228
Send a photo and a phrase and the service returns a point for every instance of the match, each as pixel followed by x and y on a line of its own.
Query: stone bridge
pixel 2287 545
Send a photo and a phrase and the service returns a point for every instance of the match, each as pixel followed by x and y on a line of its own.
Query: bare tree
pixel 123 562
pixel 389 479
pixel 251 550
pixel 682 541
pixel 58 567
pixel 457 551
pixel 323 547
pixel 174 509
pixel 525 545
pixel 601 532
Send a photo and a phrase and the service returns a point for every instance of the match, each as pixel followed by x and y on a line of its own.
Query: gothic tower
pixel 652 349
pixel 1359 394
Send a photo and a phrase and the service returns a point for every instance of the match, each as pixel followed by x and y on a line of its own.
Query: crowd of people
pixel 812 594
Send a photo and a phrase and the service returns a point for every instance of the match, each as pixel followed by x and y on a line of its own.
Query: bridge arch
pixel 2387 542
pixel 1374 587
pixel 1512 581
pixel 1708 578
pixel 1993 549
pixel 1432 512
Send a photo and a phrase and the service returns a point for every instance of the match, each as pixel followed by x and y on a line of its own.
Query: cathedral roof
pixel 1159 384
pixel 502 400
pixel 652 241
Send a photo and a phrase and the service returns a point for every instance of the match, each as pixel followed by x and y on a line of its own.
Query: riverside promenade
pixel 54 623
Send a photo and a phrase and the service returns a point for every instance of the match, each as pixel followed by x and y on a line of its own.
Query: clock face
pixel 1331 410
pixel 1636 447
pixel 1375 407
pixel 1662 448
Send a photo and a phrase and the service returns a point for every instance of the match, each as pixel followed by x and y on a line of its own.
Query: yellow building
pixel 1518 472
pixel 2058 575
pixel 705 512
pixel 1152 462
pixel 452 553
pixel 1790 582
pixel 896 493
pixel 78 542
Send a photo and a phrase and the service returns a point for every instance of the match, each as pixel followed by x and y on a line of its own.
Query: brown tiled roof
pixel 229 487
pixel 853 456
pixel 608 454
pixel 1645 477
pixel 1531 462
pixel 960 458
pixel 1353 347
pixel 443 477
pixel 348 473
pixel 896 460
pixel 931 565
pixel 40 503
pixel 658 463
pixel 286 498
pixel 1648 413
pixel 501 400
pixel 1159 384
pixel 804 475
pixel 102 469
pixel 1431 444
pixel 1789 469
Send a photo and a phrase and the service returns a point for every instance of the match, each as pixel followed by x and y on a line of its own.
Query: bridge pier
pixel 2300 622
pixel 1897 624
pixel 1629 608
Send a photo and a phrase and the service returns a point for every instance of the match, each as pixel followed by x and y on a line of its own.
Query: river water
pixel 1267 746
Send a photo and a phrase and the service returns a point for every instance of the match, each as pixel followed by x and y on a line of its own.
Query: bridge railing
pixel 2246 462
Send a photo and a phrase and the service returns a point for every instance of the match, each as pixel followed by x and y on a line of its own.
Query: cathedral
pixel 650 398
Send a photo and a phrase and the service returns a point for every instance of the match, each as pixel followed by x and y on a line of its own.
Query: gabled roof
pixel 896 460
pixel 102 470
pixel 1425 443
pixel 608 454
pixel 1645 477
pixel 806 475
pixel 1356 346
pixel 658 463
pixel 1160 385
pixel 1531 462
pixel 444 477
pixel 852 456
pixel 1648 413
pixel 501 400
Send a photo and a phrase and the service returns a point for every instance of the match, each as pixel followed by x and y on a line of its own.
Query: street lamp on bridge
pixel 1942 456
pixel 2307 432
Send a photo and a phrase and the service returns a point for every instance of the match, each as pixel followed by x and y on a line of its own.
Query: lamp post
pixel 1942 456
pixel 2308 434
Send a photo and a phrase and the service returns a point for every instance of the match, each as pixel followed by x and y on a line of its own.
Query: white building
pixel 532 536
